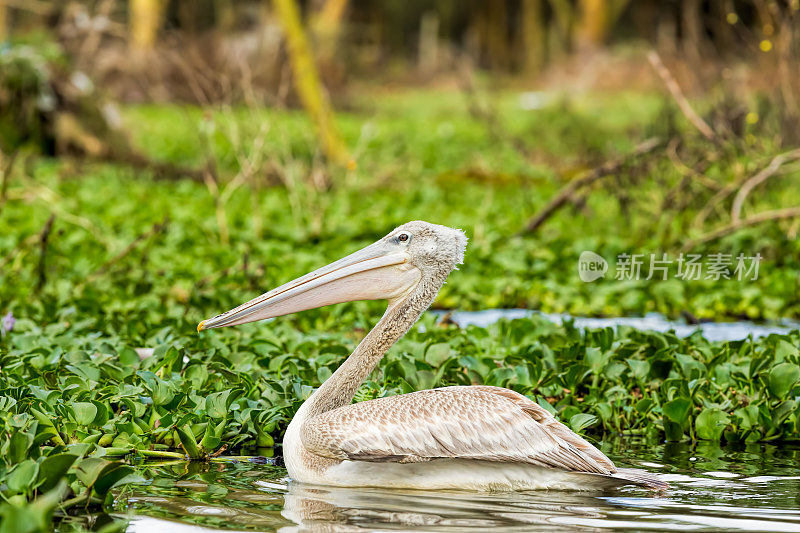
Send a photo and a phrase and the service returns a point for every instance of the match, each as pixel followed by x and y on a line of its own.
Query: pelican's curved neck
pixel 341 387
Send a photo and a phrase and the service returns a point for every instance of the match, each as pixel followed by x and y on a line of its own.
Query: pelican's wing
pixel 478 422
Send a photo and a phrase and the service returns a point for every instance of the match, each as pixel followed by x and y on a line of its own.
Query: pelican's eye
pixel 403 237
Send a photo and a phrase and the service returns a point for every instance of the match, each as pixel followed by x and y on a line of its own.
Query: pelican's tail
pixel 640 477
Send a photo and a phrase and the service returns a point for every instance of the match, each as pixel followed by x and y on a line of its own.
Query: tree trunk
pixel 497 34
pixel 534 38
pixel 307 82
pixel 428 48
pixel 145 21
pixel 560 32
pixel 3 21
pixel 593 24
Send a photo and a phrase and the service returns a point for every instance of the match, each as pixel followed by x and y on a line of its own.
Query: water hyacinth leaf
pixel 673 431
pixel 323 373
pixel 23 477
pixel 785 351
pixel 211 438
pixel 7 403
pixel 102 414
pixel 644 405
pixel 580 421
pixel 691 368
pixel 748 416
pixel 111 476
pixel 90 469
pixel 162 391
pixel 188 442
pixel 263 439
pixel 32 518
pixel 18 445
pixel 217 404
pixel 85 412
pixel 710 424
pixel 677 410
pixel 53 468
pixel 783 411
pixel 197 374
pixel 438 353
pixel 639 369
pixel 596 358
pixel 546 405
pixel 782 378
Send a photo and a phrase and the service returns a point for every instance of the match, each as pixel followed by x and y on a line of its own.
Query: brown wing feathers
pixel 478 422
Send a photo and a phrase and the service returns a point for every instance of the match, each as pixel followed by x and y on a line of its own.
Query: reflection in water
pixel 754 488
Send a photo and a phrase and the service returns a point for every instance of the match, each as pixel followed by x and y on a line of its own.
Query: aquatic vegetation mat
pixel 79 408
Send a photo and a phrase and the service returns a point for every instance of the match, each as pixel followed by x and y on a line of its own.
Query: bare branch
pixel 758 179
pixel 157 228
pixel 677 94
pixel 588 178
pixel 765 216
pixel 44 236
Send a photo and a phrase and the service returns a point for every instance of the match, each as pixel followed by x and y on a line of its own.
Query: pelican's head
pixel 388 269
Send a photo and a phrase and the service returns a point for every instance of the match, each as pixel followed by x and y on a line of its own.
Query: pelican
pixel 464 437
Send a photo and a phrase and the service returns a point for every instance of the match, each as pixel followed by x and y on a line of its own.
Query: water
pixel 752 488
pixel 713 331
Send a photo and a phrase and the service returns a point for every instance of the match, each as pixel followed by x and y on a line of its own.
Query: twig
pixel 686 170
pixel 677 94
pixel 758 179
pixel 765 216
pixel 712 203
pixel 43 238
pixel 157 228
pixel 218 452
pixel 588 178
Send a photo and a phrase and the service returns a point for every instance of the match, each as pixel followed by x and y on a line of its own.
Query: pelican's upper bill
pixel 384 270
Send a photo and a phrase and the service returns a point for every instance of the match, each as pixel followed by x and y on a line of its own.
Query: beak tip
pixel 201 326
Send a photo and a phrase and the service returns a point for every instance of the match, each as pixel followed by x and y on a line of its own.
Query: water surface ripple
pixel 746 488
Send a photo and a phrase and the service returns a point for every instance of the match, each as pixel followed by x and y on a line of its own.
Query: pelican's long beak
pixel 376 272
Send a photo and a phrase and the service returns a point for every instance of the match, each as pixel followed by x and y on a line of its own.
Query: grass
pixel 134 262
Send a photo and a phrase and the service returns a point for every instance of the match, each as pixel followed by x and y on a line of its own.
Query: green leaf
pixel 85 412
pixel 785 350
pixel 677 410
pixel 22 478
pixel 217 404
pixel 639 369
pixel 110 477
pixel 211 440
pixel 188 442
pixel 100 474
pixel 782 379
pixel 710 424
pixel 546 405
pixel 673 431
pixel 18 445
pixel 102 414
pixel 581 420
pixel 596 358
pixel 90 469
pixel 53 468
pixel 438 353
